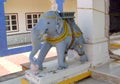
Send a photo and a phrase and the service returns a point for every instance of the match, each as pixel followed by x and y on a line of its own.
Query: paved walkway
pixel 11 64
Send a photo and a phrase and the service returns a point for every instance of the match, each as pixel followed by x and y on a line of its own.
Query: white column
pixel 107 19
pixel 91 20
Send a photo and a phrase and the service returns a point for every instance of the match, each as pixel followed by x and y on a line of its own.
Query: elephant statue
pixel 62 33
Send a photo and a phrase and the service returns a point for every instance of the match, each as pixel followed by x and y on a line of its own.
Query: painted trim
pixel 94 10
pixel 114 45
pixel 76 78
pixel 24 81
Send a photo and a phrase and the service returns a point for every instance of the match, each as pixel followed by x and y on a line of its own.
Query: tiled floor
pixel 11 64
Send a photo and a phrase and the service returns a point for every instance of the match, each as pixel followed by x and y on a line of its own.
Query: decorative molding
pixel 94 10
pixel 18 34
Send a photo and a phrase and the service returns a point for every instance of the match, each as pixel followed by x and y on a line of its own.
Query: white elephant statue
pixel 62 33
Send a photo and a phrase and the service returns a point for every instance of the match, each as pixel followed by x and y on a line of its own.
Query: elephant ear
pixel 59 25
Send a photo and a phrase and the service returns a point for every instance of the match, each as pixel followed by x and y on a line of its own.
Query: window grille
pixel 32 19
pixel 11 22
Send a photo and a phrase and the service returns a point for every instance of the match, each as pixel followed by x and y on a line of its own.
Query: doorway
pixel 114 12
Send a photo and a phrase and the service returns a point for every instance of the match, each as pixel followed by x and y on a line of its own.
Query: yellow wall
pixel 23 6
pixel 71 5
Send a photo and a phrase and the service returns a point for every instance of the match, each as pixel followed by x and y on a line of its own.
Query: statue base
pixel 51 75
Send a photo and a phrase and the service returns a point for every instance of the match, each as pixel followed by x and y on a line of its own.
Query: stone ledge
pixel 105 77
pixel 53 76
pixel 11 76
pixel 109 72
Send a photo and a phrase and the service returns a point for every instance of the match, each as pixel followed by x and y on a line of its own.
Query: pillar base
pixel 97 53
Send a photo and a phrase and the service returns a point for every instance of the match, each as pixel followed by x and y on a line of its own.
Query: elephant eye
pixel 48 22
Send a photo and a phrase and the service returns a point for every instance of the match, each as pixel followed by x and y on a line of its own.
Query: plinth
pixel 51 75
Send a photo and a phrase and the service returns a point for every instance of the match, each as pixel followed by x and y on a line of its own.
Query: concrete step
pixel 109 72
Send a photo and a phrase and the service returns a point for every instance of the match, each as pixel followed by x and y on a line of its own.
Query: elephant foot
pixel 40 67
pixel 64 66
pixel 83 59
pixel 34 68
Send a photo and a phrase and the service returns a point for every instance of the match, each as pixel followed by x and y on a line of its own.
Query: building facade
pixel 22 15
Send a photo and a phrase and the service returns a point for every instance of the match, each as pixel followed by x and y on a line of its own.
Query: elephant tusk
pixel 80 46
pixel 41 35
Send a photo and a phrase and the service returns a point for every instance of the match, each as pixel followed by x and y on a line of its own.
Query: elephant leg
pixel 61 47
pixel 43 52
pixel 35 48
pixel 80 49
pixel 81 53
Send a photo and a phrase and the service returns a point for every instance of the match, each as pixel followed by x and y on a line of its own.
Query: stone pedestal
pixel 91 20
pixel 51 75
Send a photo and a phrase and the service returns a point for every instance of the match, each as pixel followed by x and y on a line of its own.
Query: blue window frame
pixel 4 51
